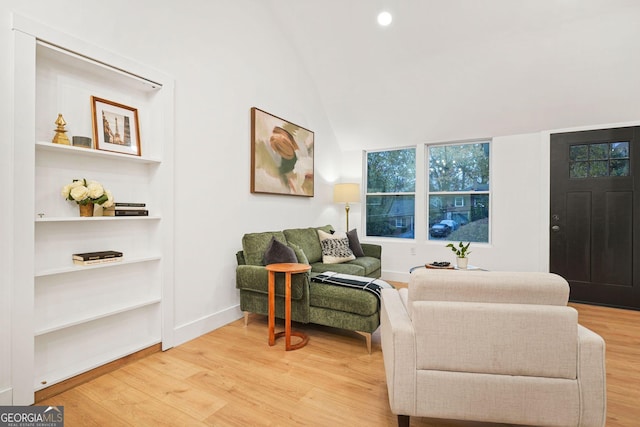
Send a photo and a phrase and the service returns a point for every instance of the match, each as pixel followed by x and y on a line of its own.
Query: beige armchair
pixel 491 346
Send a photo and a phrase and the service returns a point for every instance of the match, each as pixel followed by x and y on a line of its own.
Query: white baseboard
pixel 6 397
pixel 192 330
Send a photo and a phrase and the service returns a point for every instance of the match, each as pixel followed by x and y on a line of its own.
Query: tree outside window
pixel 458 196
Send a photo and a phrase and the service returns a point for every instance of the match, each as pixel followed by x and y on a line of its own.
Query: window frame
pixel 428 193
pixel 381 195
pixel 420 221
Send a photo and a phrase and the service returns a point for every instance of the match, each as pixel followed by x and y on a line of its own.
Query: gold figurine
pixel 60 137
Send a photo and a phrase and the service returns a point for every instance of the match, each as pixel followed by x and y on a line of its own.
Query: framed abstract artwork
pixel 282 155
pixel 115 127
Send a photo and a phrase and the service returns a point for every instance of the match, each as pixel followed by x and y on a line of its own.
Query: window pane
pixel 391 171
pixel 469 223
pixel 459 167
pixel 391 216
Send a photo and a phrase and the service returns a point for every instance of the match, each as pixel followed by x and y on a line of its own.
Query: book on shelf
pixel 97 261
pixel 125 212
pixel 92 256
pixel 120 205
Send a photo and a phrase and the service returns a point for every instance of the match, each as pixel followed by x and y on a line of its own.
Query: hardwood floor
pixel 231 377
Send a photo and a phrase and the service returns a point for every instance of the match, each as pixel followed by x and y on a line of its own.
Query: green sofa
pixel 311 302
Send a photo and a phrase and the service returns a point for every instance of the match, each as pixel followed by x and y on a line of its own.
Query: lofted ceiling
pixel 449 70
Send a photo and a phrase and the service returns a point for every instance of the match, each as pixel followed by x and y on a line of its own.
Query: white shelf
pixel 70 319
pixel 62 374
pixel 97 218
pixel 78 268
pixel 98 315
pixel 92 153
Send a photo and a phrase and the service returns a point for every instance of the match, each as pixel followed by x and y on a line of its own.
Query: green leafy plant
pixel 461 249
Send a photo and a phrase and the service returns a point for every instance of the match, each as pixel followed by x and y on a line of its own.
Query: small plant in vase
pixel 86 194
pixel 461 251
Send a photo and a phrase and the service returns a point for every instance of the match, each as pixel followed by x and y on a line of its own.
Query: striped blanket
pixel 369 284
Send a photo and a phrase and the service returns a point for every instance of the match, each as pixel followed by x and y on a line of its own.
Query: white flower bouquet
pixel 84 192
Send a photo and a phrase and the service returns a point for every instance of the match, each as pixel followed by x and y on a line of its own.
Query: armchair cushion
pixel 504 339
pixel 307 240
pixel 300 255
pixel 342 299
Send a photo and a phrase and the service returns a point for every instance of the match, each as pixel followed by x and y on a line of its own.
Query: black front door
pixel 595 215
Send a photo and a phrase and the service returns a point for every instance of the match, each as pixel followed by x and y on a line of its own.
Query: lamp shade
pixel 346 193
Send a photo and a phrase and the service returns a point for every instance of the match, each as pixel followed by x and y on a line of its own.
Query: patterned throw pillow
pixel 335 248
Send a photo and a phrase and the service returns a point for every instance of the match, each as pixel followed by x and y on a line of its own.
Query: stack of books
pixel 126 209
pixel 92 258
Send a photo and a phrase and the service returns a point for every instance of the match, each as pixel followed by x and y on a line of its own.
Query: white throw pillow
pixel 335 248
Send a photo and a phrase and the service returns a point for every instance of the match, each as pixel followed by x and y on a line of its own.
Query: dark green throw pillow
pixel 354 243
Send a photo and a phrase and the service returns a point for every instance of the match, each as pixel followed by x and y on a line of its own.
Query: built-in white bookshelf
pixel 70 319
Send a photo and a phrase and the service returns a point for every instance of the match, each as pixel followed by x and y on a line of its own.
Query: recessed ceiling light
pixel 384 18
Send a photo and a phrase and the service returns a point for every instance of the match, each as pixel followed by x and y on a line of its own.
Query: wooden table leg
pixel 288 332
pixel 272 307
pixel 287 313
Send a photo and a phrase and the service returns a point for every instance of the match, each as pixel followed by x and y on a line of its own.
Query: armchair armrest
pixel 399 350
pixel 592 377
pixel 372 250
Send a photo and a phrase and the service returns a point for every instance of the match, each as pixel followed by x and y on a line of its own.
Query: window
pixel 391 182
pixel 458 195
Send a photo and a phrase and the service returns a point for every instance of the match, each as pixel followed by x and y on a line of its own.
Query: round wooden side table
pixel 288 269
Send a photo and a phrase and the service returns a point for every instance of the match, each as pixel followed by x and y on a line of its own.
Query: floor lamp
pixel 346 193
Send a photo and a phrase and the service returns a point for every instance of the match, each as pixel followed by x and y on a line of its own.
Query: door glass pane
pixel 579 152
pixel 619 150
pixel 619 168
pixel 598 151
pixel 598 169
pixel 578 170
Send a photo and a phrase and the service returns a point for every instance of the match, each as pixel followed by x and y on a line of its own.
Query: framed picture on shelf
pixel 115 127
pixel 282 156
